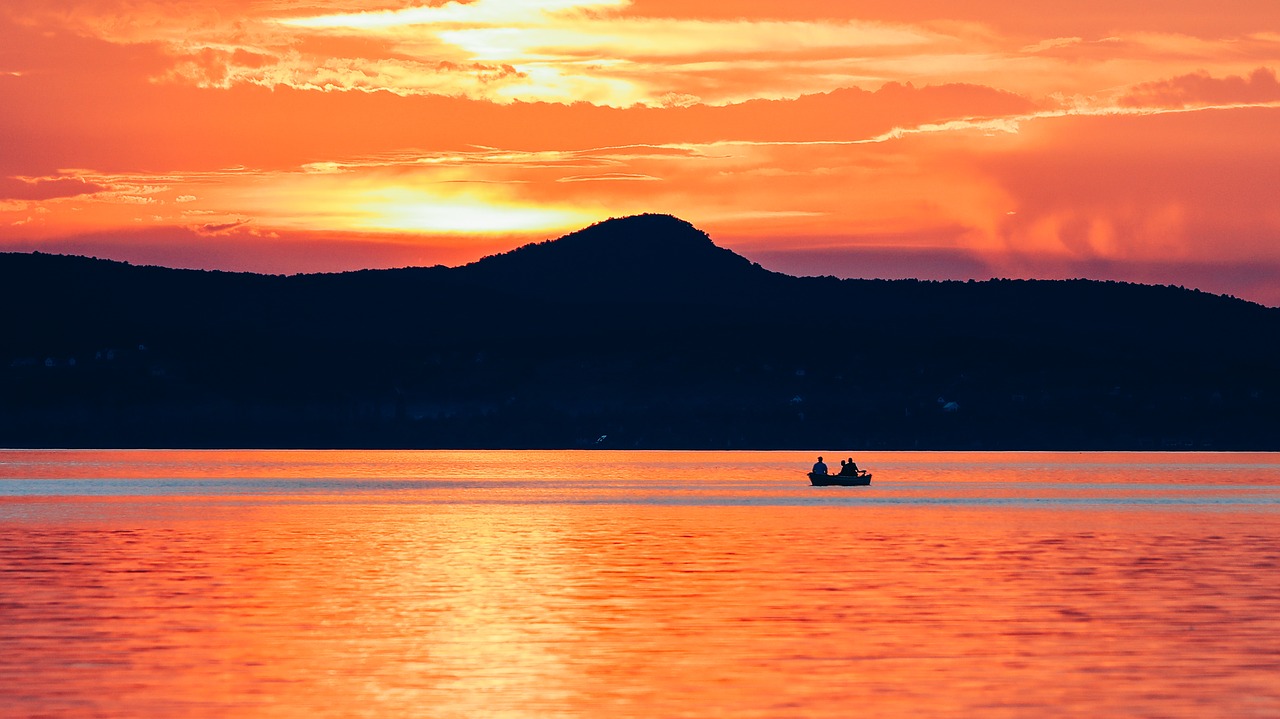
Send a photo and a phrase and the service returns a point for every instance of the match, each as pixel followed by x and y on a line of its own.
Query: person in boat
pixel 819 467
pixel 849 468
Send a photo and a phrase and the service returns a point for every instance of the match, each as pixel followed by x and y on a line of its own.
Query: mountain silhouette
pixel 638 328
pixel 650 256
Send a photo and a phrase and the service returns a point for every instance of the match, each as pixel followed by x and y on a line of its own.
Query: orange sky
pixel 887 138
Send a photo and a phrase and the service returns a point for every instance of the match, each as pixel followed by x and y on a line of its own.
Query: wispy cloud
pixel 611 177
pixel 219 228
pixel 560 52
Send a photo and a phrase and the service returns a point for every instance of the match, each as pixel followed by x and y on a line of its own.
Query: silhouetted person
pixel 848 468
pixel 819 467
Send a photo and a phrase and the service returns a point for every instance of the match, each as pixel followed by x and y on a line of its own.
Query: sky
pixel 877 138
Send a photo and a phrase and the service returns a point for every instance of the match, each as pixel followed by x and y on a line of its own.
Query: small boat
pixel 837 480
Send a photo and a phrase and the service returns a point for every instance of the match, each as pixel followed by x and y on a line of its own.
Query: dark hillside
pixel 640 329
pixel 646 257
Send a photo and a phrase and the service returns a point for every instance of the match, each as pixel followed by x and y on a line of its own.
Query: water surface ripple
pixel 645 584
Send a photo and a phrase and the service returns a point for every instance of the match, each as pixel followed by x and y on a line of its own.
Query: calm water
pixel 648 584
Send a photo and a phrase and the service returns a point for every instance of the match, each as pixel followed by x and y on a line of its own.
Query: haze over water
pixel 643 584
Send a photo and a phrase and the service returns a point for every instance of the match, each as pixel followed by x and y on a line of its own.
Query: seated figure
pixel 820 467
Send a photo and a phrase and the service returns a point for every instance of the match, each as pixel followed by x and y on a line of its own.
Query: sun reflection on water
pixel 635 585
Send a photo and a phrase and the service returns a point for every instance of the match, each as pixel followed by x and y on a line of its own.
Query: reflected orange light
pixel 337 598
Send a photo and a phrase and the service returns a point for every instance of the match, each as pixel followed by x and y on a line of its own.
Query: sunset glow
pixel 878 139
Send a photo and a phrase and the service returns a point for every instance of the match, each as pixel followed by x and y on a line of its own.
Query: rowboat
pixel 836 480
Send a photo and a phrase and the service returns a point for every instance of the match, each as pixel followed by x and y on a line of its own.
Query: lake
pixel 637 584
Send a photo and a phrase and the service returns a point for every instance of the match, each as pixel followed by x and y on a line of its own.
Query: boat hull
pixel 835 480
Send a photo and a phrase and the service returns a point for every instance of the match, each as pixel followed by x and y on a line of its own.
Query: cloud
pixel 219 228
pixel 502 51
pixel 1200 88
pixel 1180 186
pixel 550 54
pixel 654 53
pixel 45 188
pixel 1052 44
pixel 611 177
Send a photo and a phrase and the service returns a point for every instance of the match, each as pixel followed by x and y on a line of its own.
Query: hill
pixel 638 330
